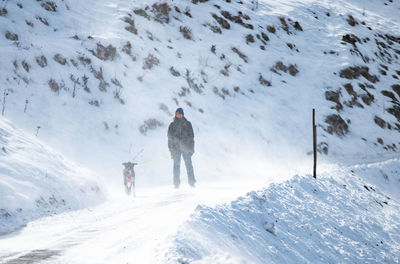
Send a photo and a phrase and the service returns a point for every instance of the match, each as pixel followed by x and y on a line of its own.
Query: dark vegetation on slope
pixel 358 85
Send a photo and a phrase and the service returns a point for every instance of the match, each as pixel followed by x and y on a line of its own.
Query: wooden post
pixel 314 144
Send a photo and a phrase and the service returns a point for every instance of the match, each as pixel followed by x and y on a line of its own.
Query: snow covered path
pixel 119 231
pixel 162 225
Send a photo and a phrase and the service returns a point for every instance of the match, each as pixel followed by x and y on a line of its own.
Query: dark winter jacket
pixel 180 136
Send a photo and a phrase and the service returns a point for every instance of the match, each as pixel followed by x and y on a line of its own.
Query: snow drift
pixel 338 218
pixel 36 181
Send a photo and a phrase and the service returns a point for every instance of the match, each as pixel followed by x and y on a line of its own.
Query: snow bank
pixel 36 181
pixel 339 218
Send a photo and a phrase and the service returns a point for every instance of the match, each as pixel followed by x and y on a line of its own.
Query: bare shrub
pixel 224 23
pixel 297 26
pixel 322 147
pixel 141 12
pixel 105 53
pixel 186 32
pixel 174 72
pixel 75 81
pixel 396 88
pixel 184 91
pixel 216 91
pixel 116 82
pixel 367 98
pixel 84 60
pixel 395 111
pixel 198 1
pixel 165 109
pixel 293 70
pixel 26 65
pixel 94 103
pixel 150 124
pixel 150 61
pixel 356 71
pixel 240 54
pixel 390 95
pixel 60 59
pixel 191 81
pixel 54 85
pixel 29 23
pixel 49 6
pixel 97 74
pixel 279 66
pixel 85 80
pixel 161 12
pixel 352 22
pixel 334 96
pixel 250 39
pixel 127 48
pixel 103 86
pixel 11 36
pixel 350 38
pixel 380 122
pixel 354 101
pixel 41 61
pixel 131 28
pixel 117 95
pixel 285 26
pixel 215 29
pixel 264 36
pixel 237 19
pixel 263 81
pixel 3 12
pixel 336 125
pixel 43 20
pixel 225 71
pixel 187 12
pixel 271 29
pixel 213 49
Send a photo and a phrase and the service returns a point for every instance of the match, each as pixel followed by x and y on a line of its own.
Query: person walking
pixel 181 143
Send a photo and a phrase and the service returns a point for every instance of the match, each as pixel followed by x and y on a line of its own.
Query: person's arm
pixel 191 138
pixel 170 138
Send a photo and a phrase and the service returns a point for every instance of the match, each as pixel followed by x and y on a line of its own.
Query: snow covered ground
pixel 103 78
pixel 123 230
pixel 338 218
pixel 36 181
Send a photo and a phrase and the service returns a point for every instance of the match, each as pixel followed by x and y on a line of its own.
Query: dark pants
pixel 177 167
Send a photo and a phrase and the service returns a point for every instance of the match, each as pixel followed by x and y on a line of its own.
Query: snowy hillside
pixel 96 83
pixel 340 218
pixel 103 78
pixel 36 181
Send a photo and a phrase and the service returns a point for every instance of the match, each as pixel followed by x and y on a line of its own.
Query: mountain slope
pixel 103 78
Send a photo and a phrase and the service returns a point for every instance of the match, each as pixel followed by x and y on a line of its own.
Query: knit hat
pixel 180 111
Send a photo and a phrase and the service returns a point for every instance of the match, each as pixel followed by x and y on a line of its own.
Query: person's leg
pixel 189 168
pixel 177 167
